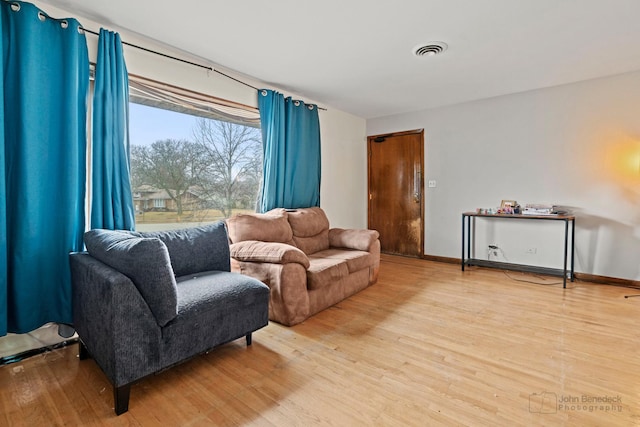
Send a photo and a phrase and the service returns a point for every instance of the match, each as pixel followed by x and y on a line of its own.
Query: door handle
pixel 416 186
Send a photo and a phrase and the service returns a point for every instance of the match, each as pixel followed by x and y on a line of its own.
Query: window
pixel 190 165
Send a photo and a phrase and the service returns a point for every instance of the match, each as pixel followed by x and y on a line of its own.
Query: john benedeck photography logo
pixel 547 402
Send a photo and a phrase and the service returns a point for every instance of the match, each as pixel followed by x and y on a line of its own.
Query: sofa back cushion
pixel 196 249
pixel 310 228
pixel 145 261
pixel 271 226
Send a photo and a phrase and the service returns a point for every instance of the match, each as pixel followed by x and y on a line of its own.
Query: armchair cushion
pixel 200 293
pixel 196 249
pixel 352 239
pixel 272 226
pixel 275 253
pixel 145 261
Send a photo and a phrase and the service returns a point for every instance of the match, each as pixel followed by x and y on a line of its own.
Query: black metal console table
pixel 468 239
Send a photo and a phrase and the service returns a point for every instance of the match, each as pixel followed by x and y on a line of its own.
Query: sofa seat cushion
pixel 324 271
pixel 356 260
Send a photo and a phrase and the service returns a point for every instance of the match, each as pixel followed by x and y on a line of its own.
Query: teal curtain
pixel 4 255
pixel 45 77
pixel 111 200
pixel 291 148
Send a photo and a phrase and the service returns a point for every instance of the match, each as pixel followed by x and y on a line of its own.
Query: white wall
pixel 343 191
pixel 576 145
pixel 343 186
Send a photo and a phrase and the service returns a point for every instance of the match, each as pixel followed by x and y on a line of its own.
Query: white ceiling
pixel 356 55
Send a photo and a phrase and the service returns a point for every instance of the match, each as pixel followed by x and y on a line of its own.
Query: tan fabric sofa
pixel 307 265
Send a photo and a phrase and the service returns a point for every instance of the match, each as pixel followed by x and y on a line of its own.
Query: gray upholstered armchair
pixel 146 301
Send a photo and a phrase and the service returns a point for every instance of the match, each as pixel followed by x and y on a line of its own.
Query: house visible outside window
pixel 194 159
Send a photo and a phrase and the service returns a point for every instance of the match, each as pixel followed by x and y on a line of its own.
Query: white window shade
pixel 156 94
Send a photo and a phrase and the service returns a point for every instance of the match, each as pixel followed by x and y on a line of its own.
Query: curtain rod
pixel 195 64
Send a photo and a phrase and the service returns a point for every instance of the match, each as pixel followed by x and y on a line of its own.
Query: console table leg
pixel 462 258
pixel 566 243
pixel 573 247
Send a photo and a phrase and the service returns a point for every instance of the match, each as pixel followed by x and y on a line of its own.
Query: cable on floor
pixel 506 273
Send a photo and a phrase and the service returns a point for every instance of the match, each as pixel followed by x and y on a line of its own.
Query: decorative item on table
pixel 508 207
pixel 538 209
pixel 561 210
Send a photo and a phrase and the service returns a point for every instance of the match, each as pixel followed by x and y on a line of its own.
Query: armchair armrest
pixel 352 239
pixel 113 320
pixel 271 252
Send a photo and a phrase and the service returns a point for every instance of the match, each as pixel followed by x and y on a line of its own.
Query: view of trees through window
pixel 188 170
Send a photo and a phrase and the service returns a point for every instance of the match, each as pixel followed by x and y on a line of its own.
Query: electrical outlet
pixel 492 250
pixel 532 250
pixel 432 183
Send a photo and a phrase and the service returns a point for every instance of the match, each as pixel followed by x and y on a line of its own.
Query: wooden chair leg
pixel 248 339
pixel 121 398
pixel 83 353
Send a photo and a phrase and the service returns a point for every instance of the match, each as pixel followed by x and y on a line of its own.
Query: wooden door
pixel 395 169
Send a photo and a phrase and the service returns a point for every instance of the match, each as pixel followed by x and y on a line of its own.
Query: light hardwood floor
pixel 427 345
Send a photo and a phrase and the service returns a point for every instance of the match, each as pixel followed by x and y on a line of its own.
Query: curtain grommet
pixel 264 92
pixel 64 24
pixel 41 16
pixel 15 7
pixel 80 30
pixel 296 103
pixel 310 107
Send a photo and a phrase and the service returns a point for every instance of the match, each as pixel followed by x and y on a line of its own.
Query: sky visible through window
pixel 180 164
pixel 149 124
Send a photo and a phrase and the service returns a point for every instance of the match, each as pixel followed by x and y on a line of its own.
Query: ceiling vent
pixel 429 49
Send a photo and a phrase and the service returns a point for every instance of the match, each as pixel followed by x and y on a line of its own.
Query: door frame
pixel 370 140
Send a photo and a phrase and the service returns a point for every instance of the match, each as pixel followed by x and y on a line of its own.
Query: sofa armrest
pixel 352 239
pixel 113 320
pixel 271 252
